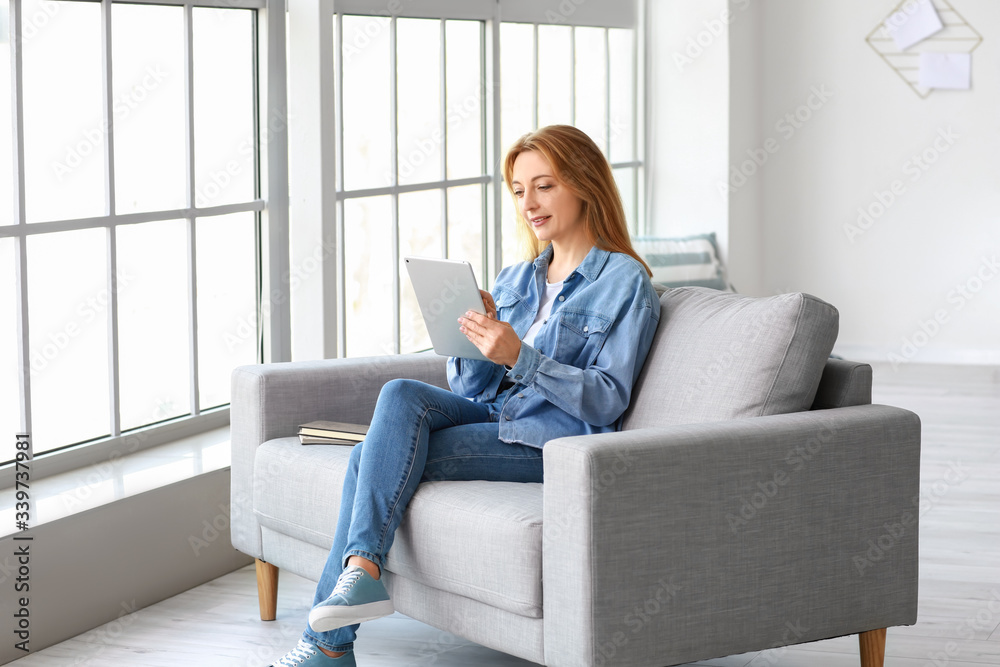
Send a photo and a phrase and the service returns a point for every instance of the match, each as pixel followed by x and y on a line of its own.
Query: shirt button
pixel 507 417
pixel 586 329
pixel 562 297
pixel 517 377
pixel 520 395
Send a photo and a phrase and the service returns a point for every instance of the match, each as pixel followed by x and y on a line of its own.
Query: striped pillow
pixel 684 261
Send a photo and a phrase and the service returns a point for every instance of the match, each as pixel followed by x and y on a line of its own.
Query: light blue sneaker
pixel 357 597
pixel 307 655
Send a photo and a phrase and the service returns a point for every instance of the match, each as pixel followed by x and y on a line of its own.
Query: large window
pixel 427 106
pixel 145 250
pixel 130 246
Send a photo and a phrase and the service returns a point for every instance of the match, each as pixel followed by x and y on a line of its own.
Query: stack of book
pixel 331 433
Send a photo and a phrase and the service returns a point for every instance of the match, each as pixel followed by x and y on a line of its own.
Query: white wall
pixel 786 224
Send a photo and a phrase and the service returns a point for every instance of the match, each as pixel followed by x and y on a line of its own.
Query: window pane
pixel 591 82
pixel 419 234
pixel 227 311
pixel 366 103
pixel 418 86
pixel 511 250
pixel 641 220
pixel 465 98
pixel 465 227
pixel 68 312
pixel 10 413
pixel 626 187
pixel 621 50
pixel 368 276
pixel 148 107
pixel 555 85
pixel 153 322
pixel 516 76
pixel 64 126
pixel 6 131
pixel 223 107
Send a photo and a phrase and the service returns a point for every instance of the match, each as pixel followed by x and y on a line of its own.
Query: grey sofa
pixel 754 498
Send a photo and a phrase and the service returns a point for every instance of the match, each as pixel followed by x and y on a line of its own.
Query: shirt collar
pixel 589 268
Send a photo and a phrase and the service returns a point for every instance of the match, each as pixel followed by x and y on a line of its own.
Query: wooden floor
pixel 959 623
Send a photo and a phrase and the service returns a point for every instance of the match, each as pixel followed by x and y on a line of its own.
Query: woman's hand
pixel 497 340
pixel 491 306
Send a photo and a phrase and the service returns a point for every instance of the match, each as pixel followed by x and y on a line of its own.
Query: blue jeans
pixel 418 433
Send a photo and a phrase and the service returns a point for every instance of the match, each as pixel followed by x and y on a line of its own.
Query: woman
pixel 565 335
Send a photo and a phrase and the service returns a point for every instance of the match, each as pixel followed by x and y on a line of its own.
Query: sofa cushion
pixel 296 488
pixel 718 356
pixel 296 492
pixel 479 539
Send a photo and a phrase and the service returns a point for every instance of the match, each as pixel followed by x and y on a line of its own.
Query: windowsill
pixel 58 496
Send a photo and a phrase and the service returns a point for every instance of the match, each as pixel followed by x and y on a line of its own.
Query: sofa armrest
pixel 272 400
pixel 670 545
pixel 844 383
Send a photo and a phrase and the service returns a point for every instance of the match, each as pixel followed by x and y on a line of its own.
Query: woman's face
pixel 550 208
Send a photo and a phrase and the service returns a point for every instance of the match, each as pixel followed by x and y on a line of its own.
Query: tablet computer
pixel 445 289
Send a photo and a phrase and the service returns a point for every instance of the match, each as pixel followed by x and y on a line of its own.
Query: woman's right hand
pixel 491 306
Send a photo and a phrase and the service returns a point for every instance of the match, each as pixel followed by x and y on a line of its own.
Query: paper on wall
pixel 946 70
pixel 915 21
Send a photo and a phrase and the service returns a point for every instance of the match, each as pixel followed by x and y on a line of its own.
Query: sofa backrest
pixel 718 356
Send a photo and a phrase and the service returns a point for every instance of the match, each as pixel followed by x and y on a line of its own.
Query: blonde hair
pixel 580 166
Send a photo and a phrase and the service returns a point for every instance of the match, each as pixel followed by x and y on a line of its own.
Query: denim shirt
pixel 577 378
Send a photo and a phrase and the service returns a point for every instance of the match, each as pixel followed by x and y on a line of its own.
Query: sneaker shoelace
pixel 297 655
pixel 346 581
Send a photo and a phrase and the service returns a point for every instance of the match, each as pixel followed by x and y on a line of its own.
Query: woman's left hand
pixel 496 339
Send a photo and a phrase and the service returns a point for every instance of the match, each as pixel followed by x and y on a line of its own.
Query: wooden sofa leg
pixel 267 590
pixel 872 644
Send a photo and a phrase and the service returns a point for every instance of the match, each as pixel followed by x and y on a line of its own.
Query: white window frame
pixel 317 162
pixel 270 204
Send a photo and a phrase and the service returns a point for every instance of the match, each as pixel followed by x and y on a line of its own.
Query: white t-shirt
pixel 551 291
